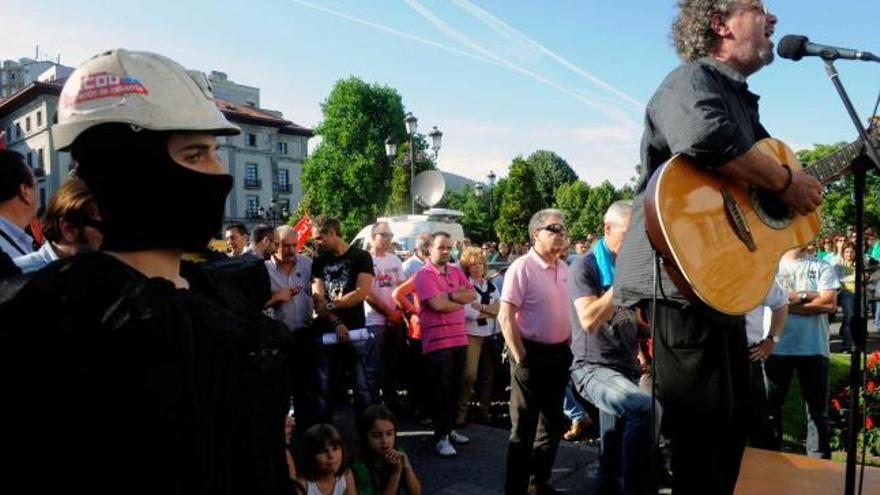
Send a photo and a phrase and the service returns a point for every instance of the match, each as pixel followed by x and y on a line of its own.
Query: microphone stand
pixel 858 322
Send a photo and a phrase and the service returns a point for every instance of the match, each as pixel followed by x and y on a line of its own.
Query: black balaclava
pixel 146 199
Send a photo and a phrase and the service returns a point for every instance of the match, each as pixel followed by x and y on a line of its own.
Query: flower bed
pixel 870 400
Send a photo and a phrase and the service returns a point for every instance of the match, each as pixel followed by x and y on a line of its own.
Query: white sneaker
pixel 444 448
pixel 458 438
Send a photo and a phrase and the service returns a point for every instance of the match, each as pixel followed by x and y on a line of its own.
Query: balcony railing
pixel 253 184
pixel 283 188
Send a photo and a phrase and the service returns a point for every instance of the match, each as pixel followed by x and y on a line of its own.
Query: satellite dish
pixel 428 188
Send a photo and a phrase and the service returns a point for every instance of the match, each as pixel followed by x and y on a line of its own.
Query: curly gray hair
pixel 692 30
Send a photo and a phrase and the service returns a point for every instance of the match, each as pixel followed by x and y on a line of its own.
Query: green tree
pixel 598 202
pixel 573 198
pixel 838 210
pixel 551 171
pixel 520 200
pixel 475 221
pixel 348 176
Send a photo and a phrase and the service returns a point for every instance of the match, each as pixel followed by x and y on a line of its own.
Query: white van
pixel 407 227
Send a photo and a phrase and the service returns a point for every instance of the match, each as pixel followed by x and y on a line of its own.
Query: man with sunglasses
pixel 534 322
pixel 704 110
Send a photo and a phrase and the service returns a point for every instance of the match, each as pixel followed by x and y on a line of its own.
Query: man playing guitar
pixel 704 110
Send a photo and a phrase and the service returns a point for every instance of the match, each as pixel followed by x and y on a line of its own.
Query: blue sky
pixel 499 77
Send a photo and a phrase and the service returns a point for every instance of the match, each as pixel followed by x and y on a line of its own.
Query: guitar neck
pixel 834 166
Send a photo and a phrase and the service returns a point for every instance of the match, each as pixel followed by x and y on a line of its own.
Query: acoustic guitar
pixel 720 241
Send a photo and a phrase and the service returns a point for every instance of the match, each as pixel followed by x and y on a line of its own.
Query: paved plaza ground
pixel 479 467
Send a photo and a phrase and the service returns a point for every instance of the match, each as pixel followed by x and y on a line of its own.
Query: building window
pixel 27 124
pixel 284 206
pixel 282 148
pixel 40 161
pixel 17 130
pixel 251 177
pixel 30 160
pixel 55 118
pixel 253 203
pixel 39 119
pixel 251 139
pixel 282 181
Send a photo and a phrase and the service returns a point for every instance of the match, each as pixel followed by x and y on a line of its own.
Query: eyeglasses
pixel 556 228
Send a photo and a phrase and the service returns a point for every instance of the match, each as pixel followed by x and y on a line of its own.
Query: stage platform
pixel 766 472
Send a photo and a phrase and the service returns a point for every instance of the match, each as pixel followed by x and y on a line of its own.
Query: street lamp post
pixel 272 214
pixel 491 178
pixel 412 126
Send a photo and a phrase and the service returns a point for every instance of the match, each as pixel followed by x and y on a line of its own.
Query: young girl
pixel 322 469
pixel 382 469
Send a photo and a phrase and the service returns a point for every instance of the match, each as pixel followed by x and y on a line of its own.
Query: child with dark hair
pixel 382 469
pixel 323 468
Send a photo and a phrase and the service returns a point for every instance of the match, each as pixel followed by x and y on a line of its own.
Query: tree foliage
pixel 585 207
pixel 838 210
pixel 551 171
pixel 600 199
pixel 475 221
pixel 572 198
pixel 348 175
pixel 520 201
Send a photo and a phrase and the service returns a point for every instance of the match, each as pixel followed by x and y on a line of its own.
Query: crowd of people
pixel 173 369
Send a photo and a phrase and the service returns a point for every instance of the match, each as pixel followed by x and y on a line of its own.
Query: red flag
pixel 303 231
pixel 36 229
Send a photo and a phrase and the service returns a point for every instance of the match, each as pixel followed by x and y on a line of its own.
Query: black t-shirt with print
pixel 340 274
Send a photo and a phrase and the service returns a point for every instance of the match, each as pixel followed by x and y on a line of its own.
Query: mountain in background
pixel 456 182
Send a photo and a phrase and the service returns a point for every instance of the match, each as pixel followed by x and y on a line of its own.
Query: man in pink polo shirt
pixel 443 291
pixel 535 325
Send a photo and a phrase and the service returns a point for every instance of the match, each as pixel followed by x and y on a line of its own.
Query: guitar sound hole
pixel 770 209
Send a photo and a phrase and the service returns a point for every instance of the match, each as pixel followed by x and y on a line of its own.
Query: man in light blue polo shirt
pixel 804 345
pixel 18 205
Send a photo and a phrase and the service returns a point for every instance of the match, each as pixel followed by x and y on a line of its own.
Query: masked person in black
pixel 154 377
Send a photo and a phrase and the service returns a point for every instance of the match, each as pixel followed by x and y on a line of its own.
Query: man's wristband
pixel 787 181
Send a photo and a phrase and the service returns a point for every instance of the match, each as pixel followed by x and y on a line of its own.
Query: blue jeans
pixel 625 429
pixel 847 301
pixel 355 364
pixel 573 409
pixel 877 316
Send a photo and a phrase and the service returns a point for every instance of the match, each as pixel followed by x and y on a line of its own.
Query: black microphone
pixel 795 47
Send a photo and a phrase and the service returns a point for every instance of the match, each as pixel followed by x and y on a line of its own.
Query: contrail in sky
pixel 509 31
pixel 395 32
pixel 488 57
pixel 611 110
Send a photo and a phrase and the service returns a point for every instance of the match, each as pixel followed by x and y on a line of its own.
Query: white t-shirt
pixel 387 274
pixel 758 319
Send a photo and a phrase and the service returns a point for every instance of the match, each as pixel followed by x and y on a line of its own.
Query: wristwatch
pixel 802 296
pixel 330 306
pixel 773 338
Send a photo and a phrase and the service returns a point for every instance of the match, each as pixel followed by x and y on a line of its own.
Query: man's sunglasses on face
pixel 556 228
